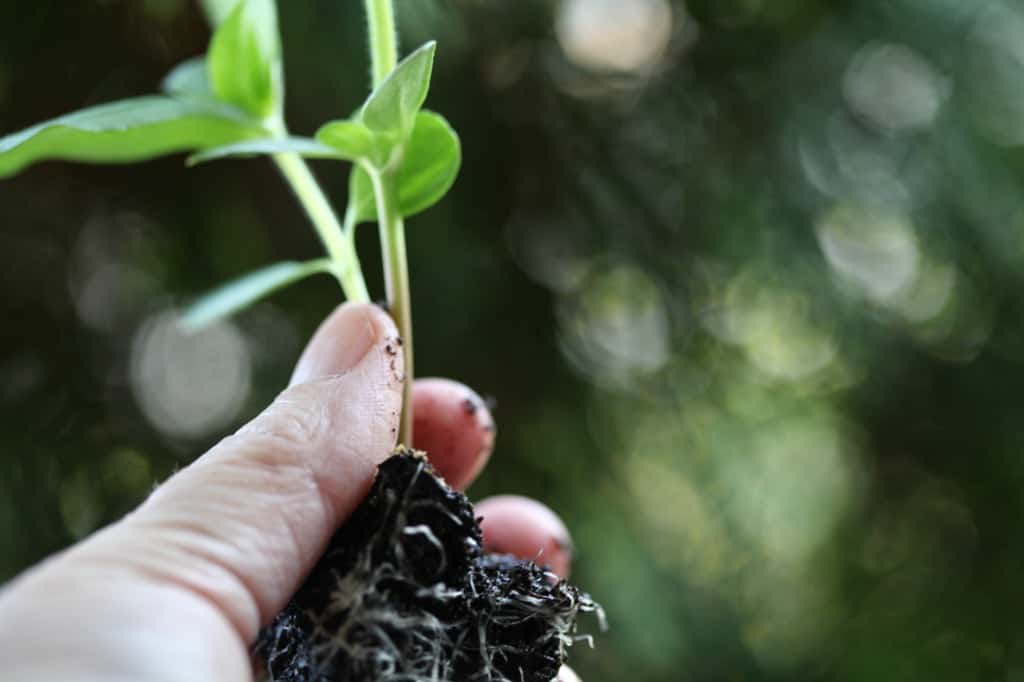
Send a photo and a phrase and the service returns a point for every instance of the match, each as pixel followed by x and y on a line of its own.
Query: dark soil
pixel 405 594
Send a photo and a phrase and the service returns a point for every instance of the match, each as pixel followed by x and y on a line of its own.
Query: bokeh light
pixel 189 385
pixel 624 36
pixel 615 325
pixel 893 87
pixel 877 254
pixel 993 76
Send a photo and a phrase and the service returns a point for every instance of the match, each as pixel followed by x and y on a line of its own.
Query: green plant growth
pixel 229 103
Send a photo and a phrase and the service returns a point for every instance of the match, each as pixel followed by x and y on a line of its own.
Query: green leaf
pixel 189 79
pixel 303 146
pixel 242 292
pixel 129 130
pixel 245 58
pixel 429 167
pixel 393 105
pixel 353 139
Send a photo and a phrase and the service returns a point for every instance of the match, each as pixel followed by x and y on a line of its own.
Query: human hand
pixel 177 590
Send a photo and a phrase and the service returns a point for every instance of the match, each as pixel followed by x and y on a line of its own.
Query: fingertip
pixel 343 339
pixel 527 529
pixel 453 425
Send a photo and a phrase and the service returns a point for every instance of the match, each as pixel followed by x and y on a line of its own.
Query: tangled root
pixel 404 594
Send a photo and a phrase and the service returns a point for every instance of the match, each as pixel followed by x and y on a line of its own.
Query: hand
pixel 177 590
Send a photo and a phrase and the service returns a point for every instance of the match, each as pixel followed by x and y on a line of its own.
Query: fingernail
pixel 340 343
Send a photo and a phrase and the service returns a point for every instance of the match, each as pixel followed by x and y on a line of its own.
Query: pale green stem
pixel 384 57
pixel 218 10
pixel 383 38
pixel 348 223
pixel 396 277
pixel 340 249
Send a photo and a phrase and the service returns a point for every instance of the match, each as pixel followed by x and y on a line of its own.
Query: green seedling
pixel 230 103
pixel 432 604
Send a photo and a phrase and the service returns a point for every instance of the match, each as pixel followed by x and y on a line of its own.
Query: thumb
pixel 243 525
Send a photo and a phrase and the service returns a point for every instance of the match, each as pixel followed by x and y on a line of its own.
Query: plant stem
pixel 340 249
pixel 383 38
pixel 384 57
pixel 217 10
pixel 396 278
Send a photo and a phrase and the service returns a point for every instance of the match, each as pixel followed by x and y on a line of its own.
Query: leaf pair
pixel 208 103
pixel 389 133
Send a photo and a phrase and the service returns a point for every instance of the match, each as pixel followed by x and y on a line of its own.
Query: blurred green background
pixel 742 276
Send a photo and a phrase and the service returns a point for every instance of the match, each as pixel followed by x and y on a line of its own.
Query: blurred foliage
pixel 740 274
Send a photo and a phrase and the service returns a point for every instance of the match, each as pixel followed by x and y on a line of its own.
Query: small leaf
pixel 245 58
pixel 430 165
pixel 393 105
pixel 234 296
pixel 353 139
pixel 129 130
pixel 189 79
pixel 311 149
pixel 429 168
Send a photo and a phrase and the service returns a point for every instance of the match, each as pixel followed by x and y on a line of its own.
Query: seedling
pixel 403 591
pixel 230 103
